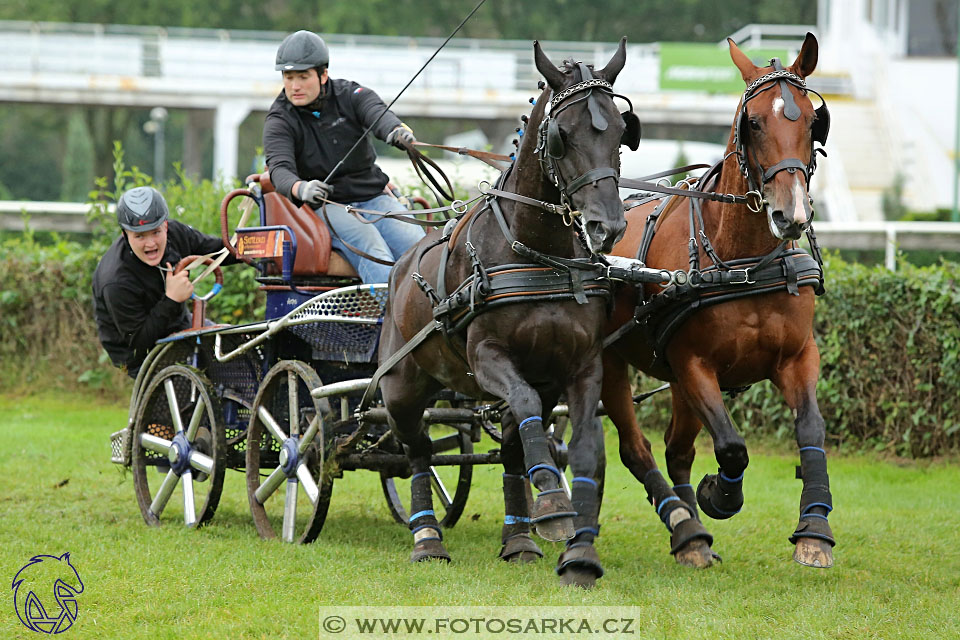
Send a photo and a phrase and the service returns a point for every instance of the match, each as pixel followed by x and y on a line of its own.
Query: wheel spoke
pixel 163 493
pixel 271 424
pixel 195 419
pixel 173 404
pixel 189 506
pixel 439 489
pixel 309 486
pixel 201 462
pixel 155 444
pixel 309 434
pixel 294 401
pixel 270 485
pixel 290 510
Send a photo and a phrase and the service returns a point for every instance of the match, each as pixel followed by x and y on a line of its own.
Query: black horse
pixel 513 328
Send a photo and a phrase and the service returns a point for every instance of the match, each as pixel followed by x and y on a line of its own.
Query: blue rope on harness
pixel 806 512
pixel 677 486
pixel 665 501
pixel 421 514
pixel 515 519
pixel 420 475
pixel 435 527
pixel 723 476
pixel 547 467
pixel 595 532
pixel 537 418
pixel 587 480
pixel 802 449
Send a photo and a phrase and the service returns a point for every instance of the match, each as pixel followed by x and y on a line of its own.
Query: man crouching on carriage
pixel 136 296
pixel 311 128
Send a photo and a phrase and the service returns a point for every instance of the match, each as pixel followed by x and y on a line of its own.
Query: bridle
pixel 550 146
pixel 779 77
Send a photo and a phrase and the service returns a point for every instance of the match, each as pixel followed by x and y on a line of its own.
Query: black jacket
pixel 129 296
pixel 301 144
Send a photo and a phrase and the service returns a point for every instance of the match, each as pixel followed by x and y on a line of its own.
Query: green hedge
pixel 890 364
pixel 889 341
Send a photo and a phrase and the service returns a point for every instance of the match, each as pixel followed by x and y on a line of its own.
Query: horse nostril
pixel 779 219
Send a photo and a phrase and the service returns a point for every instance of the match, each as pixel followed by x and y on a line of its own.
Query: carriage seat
pixel 314 255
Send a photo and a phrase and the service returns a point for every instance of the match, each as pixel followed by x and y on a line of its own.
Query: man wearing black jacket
pixel 137 298
pixel 310 127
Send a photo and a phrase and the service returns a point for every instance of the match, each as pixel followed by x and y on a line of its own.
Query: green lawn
pixel 897 572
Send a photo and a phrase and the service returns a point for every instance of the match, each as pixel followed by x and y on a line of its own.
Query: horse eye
pixel 755 125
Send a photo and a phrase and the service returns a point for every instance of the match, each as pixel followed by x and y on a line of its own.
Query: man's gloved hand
pixel 401 137
pixel 314 192
pixel 177 285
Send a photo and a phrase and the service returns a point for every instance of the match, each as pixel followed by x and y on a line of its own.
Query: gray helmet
pixel 141 209
pixel 302 50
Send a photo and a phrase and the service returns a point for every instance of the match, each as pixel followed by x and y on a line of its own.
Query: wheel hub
pixel 290 457
pixel 179 454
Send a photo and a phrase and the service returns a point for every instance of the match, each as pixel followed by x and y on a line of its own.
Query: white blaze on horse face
pixel 777 107
pixel 799 197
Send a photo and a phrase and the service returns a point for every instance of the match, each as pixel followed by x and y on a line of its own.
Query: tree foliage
pixel 639 20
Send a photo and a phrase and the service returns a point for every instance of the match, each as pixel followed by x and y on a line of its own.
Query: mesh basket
pixel 328 324
pixel 120 447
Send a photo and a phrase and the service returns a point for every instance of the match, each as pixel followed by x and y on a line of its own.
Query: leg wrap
pixel 536 455
pixel 586 502
pixel 686 493
pixel 515 506
pixel 720 496
pixel 816 502
pixel 666 503
pixel 427 537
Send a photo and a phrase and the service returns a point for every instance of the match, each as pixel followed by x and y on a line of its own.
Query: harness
pixel 544 277
pixel 784 268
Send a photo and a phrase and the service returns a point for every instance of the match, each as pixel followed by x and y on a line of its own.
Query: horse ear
pixel 613 68
pixel 747 69
pixel 547 69
pixel 806 61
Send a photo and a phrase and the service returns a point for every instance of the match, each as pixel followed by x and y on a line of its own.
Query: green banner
pixel 708 67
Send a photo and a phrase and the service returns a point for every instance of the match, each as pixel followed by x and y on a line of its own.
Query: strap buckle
pixel 746 276
pixel 755 201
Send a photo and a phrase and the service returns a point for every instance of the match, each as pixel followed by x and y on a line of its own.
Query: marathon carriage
pixel 276 399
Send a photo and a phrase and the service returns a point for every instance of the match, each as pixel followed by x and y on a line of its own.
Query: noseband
pixel 550 146
pixel 821 127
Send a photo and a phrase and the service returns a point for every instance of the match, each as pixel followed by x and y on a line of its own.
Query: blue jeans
pixel 386 238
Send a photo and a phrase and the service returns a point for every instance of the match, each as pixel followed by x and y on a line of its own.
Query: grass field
pixel 897 572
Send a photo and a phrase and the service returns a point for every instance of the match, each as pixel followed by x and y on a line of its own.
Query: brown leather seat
pixel 314 256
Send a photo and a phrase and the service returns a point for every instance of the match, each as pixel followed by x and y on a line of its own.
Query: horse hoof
pixel 552 516
pixel 813 552
pixel 697 554
pixel 579 566
pixel 431 549
pixel 521 549
pixel 583 578
pixel 555 529
pixel 709 490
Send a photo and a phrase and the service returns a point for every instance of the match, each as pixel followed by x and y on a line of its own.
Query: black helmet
pixel 141 209
pixel 302 50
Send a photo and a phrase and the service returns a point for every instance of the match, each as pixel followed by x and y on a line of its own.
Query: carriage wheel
pixel 285 449
pixel 177 432
pixel 448 507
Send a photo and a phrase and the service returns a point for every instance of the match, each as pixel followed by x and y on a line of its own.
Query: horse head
pixel 774 135
pixel 578 142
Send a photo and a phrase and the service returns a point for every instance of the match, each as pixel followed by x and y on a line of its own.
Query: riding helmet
pixel 141 209
pixel 302 50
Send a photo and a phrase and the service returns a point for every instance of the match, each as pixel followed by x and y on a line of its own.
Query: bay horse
pixel 703 348
pixel 540 331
